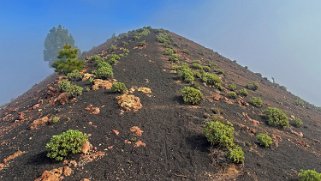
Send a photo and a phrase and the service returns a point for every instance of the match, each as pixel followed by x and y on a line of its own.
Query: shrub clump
pixel 276 117
pixel 309 175
pixel 256 101
pixel 163 38
pixel 74 75
pixel 68 60
pixel 218 133
pixel 186 73
pixel 243 92
pixel 252 86
pixel 191 95
pixel 104 70
pixel 297 122
pixel 169 51
pixel 232 95
pixel 196 65
pixel 113 59
pixel 211 79
pixel 66 143
pixel 236 154
pixel 72 90
pixel 264 140
pixel 118 87
pixel 174 57
pixel 231 87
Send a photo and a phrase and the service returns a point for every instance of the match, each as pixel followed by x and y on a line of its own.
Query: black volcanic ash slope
pixel 175 146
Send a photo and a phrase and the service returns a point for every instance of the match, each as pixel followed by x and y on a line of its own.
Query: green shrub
pixel 232 95
pixel 186 74
pixel 211 79
pixel 309 175
pixel 71 89
pixel 276 117
pixel 299 102
pixel 66 143
pixel 219 133
pixel 191 95
pixel 297 122
pixel 206 68
pixel 163 38
pixel 243 92
pixel 198 74
pixel 55 119
pixel 252 86
pixel 174 57
pixel 197 65
pixel 169 51
pixel 68 60
pixel 232 87
pixel 113 59
pixel 118 87
pixel 256 101
pixel 74 75
pixel 264 140
pixel 236 154
pixel 104 72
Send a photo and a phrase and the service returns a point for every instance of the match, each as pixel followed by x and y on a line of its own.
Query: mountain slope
pixel 176 148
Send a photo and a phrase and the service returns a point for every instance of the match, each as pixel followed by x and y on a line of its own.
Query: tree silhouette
pixel 55 41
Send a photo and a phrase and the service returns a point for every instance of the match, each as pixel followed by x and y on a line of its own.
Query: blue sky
pixel 276 38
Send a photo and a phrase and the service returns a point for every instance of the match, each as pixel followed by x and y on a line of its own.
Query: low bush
pixel 104 71
pixel 232 87
pixel 256 102
pixel 264 140
pixel 297 122
pixel 191 95
pixel 211 79
pixel 71 89
pixel 232 95
pixel 113 59
pixel 276 117
pixel 236 154
pixel 243 92
pixel 174 57
pixel 219 133
pixel 54 119
pixel 309 175
pixel 206 68
pixel 74 75
pixel 197 65
pixel 163 38
pixel 169 51
pixel 186 73
pixel 66 143
pixel 118 87
pixel 252 86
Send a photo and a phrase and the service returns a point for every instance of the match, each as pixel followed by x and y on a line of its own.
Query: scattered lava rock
pixel 11 157
pixel 39 122
pixel 92 109
pixel 129 102
pixel 104 84
pixel 136 130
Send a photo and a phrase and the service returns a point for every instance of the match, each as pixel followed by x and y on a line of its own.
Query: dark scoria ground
pixel 175 146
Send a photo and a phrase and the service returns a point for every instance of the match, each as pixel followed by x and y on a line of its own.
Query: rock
pixel 116 132
pixel 21 116
pixel 104 84
pixel 62 99
pixel 87 76
pixel 85 147
pixel 67 171
pixel 145 90
pixel 85 179
pixel 39 122
pixel 129 102
pixel 128 142
pixel 139 143
pixel 92 109
pixel 136 130
pixel 216 96
pixel 36 106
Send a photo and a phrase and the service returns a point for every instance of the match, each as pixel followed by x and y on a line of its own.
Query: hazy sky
pixel 276 38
